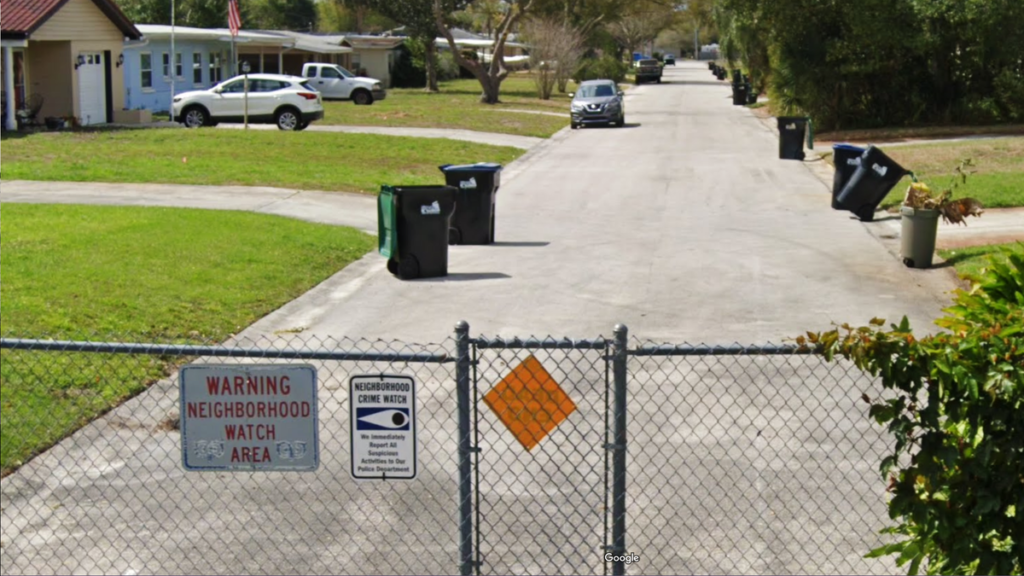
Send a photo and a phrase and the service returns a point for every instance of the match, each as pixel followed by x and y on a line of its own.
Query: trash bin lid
pixel 478 167
pixel 848 147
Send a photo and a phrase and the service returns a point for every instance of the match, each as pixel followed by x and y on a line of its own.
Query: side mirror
pixel 572 94
pixel 218 90
pixel 620 93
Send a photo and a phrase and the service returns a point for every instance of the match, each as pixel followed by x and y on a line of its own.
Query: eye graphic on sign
pixel 382 419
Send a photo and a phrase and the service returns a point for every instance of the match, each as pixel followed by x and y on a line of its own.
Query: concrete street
pixel 683 225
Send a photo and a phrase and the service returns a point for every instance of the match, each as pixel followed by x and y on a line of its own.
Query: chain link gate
pixel 739 459
pixel 540 444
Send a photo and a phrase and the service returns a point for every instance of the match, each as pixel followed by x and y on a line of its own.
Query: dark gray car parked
pixel 597 102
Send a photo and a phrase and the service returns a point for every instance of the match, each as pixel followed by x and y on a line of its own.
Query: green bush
pixel 956 470
pixel 605 67
pixel 405 72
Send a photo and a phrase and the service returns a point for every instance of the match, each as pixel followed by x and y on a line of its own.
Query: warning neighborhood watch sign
pixel 383 427
pixel 249 417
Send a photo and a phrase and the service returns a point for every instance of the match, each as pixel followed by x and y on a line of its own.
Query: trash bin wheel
pixel 392 265
pixel 454 236
pixel 408 268
pixel 909 263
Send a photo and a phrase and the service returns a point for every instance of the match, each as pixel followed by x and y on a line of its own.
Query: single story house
pixel 303 48
pixel 69 53
pixel 202 58
pixel 373 56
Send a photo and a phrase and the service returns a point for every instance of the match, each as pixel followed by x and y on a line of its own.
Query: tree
pixel 489 74
pixel 280 15
pixel 418 18
pixel 555 52
pixel 639 24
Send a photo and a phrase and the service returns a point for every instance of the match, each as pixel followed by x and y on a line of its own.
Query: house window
pixel 177 65
pixel 146 69
pixel 215 74
pixel 166 64
pixel 197 68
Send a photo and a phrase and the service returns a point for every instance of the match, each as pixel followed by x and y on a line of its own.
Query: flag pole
pixel 173 63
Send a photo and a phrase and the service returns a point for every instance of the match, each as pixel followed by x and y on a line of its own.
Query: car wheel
pixel 659 80
pixel 574 125
pixel 362 98
pixel 622 121
pixel 302 126
pixel 288 119
pixel 194 117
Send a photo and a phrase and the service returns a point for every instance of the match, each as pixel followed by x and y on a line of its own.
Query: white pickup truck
pixel 335 83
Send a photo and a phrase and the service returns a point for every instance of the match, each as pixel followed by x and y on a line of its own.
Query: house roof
pixel 312 42
pixel 23 17
pixel 162 31
pixel 372 42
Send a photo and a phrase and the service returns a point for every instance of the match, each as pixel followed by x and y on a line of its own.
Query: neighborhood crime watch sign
pixel 383 427
pixel 249 417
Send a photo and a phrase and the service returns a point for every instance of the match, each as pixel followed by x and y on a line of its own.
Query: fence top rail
pixel 540 344
pixel 222 351
pixel 718 350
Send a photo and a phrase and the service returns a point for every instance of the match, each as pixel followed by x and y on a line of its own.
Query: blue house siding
pixel 212 58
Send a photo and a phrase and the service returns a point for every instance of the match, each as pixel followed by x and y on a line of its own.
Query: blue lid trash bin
pixel 476 188
pixel 791 137
pixel 846 158
pixel 870 183
pixel 412 232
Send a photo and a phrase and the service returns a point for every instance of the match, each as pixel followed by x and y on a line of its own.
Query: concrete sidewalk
pixel 337 208
pixel 492 138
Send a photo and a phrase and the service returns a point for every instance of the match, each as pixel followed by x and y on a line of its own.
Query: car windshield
pixel 596 91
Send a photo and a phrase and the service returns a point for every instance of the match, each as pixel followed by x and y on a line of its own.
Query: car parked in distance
pixel 670 60
pixel 648 70
pixel 288 101
pixel 597 102
pixel 337 83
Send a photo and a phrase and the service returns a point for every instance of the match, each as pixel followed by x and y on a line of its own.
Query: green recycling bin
pixel 412 229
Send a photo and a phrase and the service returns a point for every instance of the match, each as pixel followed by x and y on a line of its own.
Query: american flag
pixel 234 17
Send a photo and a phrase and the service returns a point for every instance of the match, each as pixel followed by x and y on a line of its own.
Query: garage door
pixel 92 95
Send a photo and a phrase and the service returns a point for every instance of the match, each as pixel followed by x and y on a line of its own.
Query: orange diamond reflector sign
pixel 529 402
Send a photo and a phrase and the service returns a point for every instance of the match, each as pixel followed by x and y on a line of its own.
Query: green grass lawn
pixel 303 160
pixel 458 105
pixel 145 274
pixel 969 262
pixel 997 183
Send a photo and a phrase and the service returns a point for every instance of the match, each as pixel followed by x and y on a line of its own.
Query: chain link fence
pixel 113 497
pixel 535 456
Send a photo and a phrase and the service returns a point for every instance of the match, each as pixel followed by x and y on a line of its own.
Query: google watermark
pixel 628 558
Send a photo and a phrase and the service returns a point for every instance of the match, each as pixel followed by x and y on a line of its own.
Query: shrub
pixel 605 67
pixel 956 470
pixel 405 73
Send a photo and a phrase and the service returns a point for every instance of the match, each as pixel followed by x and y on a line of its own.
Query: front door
pixel 92 91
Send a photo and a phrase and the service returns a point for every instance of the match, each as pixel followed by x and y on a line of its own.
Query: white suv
pixel 288 101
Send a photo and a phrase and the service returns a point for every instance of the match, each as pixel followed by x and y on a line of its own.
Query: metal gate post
pixel 462 393
pixel 619 455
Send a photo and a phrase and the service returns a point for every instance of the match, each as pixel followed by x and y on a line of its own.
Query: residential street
pixel 684 225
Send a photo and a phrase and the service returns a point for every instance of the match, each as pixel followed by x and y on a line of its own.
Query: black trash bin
pixel 869 184
pixel 751 95
pixel 846 159
pixel 791 137
pixel 711 65
pixel 477 188
pixel 739 94
pixel 737 77
pixel 413 224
